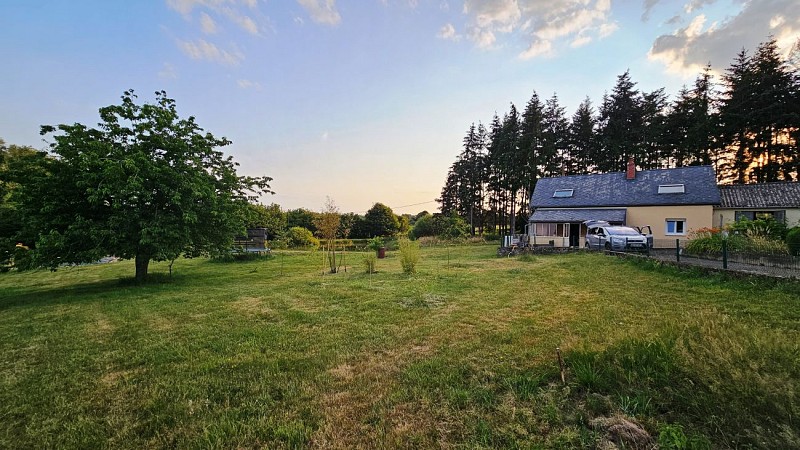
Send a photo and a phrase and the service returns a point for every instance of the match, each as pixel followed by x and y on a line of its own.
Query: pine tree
pixel 620 126
pixel 582 140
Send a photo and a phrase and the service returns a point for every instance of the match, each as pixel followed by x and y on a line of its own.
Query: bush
pixel 300 237
pixel 760 245
pixel 793 241
pixel 369 261
pixel 375 243
pixel 768 228
pixel 709 241
pixel 409 255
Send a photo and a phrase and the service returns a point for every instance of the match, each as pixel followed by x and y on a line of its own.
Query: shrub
pixel 23 258
pixel 409 255
pixel 300 237
pixel 793 241
pixel 764 246
pixel 766 227
pixel 369 262
pixel 709 241
pixel 375 243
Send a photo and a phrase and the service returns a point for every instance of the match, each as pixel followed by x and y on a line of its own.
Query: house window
pixel 563 193
pixel 676 227
pixel 552 229
pixel 779 216
pixel 671 189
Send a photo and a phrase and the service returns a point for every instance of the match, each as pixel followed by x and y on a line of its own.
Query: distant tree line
pixel 287 226
pixel 746 127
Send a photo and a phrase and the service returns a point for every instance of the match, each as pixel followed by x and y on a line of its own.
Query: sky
pixel 362 101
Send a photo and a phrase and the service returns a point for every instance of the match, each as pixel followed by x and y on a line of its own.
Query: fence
pixel 773 263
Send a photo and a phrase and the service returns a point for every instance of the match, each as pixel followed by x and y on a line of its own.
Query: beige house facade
pixel 779 200
pixel 672 202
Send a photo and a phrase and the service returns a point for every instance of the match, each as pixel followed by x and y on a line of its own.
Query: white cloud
pixel 537 48
pixel 184 6
pixel 448 32
pixel 580 41
pixel 482 38
pixel 168 72
pixel 322 11
pixel 248 24
pixel 542 25
pixel 204 50
pixel 325 136
pixel 207 24
pixel 248 84
pixel 607 29
pixel 690 48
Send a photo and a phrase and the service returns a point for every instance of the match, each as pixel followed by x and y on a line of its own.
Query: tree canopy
pixel 747 128
pixel 144 184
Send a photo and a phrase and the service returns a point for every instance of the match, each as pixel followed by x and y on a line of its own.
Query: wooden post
pixel 561 366
pixel 678 250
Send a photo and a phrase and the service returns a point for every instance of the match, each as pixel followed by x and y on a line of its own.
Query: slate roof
pixel 764 195
pixel 613 189
pixel 578 215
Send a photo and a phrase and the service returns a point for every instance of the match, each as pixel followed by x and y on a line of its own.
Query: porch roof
pixel 578 215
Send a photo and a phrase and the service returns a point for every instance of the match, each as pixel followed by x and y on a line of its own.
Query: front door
pixel 574 235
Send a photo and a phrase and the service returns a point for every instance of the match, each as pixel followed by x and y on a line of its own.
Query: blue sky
pixel 362 101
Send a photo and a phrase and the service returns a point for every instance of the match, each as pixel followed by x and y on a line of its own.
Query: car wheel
pixel 587 245
pixel 608 245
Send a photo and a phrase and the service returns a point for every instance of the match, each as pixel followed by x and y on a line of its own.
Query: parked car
pixel 603 235
pixel 647 232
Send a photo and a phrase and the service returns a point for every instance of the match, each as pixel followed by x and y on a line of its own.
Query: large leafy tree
pixel 271 217
pixel 380 221
pixel 16 163
pixel 145 184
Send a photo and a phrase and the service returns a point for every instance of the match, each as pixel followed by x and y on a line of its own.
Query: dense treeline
pixel 746 125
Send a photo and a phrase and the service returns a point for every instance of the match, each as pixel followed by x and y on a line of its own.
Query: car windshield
pixel 622 231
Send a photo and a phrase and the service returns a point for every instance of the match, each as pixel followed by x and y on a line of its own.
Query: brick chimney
pixel 631 173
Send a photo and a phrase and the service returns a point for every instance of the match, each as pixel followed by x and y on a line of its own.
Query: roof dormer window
pixel 671 189
pixel 562 193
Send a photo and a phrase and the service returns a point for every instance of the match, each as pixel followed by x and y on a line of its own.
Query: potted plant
pixel 378 246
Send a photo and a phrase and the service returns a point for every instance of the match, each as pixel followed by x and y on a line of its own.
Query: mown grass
pixel 273 353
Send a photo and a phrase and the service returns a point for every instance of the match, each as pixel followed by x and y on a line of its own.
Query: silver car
pixel 603 235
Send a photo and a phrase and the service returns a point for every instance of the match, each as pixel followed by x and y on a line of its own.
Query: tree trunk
pixel 142 261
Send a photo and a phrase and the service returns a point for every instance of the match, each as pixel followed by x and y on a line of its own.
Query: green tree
pixel 327 223
pixel 582 139
pixel 301 217
pixel 145 184
pixel 380 221
pixel 270 217
pixel 620 127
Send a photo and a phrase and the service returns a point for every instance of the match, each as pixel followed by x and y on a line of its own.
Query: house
pixel 779 200
pixel 671 201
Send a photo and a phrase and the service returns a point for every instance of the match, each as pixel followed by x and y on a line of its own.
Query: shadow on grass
pixel 85 292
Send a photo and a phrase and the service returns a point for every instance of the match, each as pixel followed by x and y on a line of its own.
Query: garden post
pixel 725 254
pixel 678 250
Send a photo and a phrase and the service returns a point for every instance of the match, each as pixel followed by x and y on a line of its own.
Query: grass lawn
pixel 273 353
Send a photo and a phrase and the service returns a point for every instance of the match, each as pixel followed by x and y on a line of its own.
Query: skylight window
pixel 562 193
pixel 671 189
